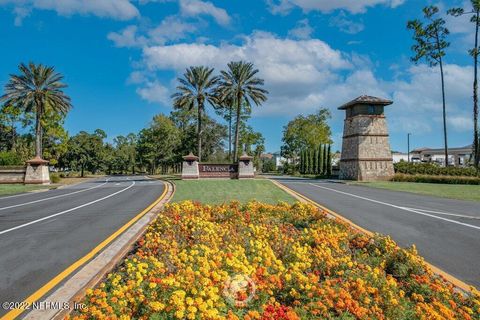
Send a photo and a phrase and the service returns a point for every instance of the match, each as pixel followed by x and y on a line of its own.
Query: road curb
pixel 332 214
pixel 100 261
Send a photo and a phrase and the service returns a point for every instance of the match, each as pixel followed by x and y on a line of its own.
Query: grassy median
pixel 452 191
pixel 6 189
pixel 220 191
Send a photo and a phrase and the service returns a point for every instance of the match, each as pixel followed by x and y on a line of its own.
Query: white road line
pixel 398 207
pixel 54 197
pixel 446 213
pixel 65 211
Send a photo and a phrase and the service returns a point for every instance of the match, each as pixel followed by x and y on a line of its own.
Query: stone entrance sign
pixel 366 153
pixel 192 169
pixel 210 170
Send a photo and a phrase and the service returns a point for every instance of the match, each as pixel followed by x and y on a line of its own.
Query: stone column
pixel 190 167
pixel 37 171
pixel 245 167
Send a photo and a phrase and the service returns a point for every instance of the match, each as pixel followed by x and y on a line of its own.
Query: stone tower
pixel 366 153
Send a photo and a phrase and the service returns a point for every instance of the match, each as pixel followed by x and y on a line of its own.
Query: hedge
pixel 434 169
pixel 400 177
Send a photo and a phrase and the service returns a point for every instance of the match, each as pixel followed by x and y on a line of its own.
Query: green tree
pixel 35 89
pixel 86 152
pixel 125 152
pixel 329 161
pixel 474 12
pixel 213 135
pixel 305 132
pixel 315 161
pixel 240 84
pixel 9 118
pixel 307 161
pixel 325 160
pixel 54 137
pixel 430 44
pixel 157 143
pixel 320 160
pixel 302 162
pixel 195 90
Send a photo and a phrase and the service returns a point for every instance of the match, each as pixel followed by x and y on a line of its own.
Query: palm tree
pixel 240 85
pixel 195 89
pixel 36 89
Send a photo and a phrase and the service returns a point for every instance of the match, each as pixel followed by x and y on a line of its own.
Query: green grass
pixel 220 191
pixel 6 189
pixel 452 191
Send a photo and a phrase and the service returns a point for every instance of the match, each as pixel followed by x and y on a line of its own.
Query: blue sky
pixel 120 59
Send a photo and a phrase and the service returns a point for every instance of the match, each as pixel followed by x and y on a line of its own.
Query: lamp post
pixel 408 146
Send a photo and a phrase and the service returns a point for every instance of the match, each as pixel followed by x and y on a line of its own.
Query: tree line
pixel 302 138
pixel 430 42
pixel 317 161
pixel 35 107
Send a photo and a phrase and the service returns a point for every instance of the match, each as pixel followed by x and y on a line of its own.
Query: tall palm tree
pixel 240 85
pixel 197 87
pixel 36 89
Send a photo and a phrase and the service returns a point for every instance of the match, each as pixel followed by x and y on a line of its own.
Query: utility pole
pixel 408 146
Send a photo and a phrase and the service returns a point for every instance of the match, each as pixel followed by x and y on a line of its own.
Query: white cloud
pixel 192 8
pixel 154 92
pixel 116 9
pixel 128 37
pixel 327 6
pixel 172 28
pixel 345 24
pixel 303 75
pixel 302 30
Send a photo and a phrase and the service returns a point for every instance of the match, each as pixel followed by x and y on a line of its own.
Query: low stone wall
pixel 12 174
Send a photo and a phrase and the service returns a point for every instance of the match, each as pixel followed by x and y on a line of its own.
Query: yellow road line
pixel 455 281
pixel 69 270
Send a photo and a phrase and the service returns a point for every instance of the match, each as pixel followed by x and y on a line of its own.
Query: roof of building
pixel 366 100
pixel 441 150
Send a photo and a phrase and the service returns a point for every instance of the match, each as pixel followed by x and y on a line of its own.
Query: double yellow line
pixel 37 295
pixel 455 281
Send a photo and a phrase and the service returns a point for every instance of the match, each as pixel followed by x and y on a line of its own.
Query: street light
pixel 408 146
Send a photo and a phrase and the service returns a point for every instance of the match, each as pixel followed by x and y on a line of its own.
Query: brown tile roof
pixel 366 100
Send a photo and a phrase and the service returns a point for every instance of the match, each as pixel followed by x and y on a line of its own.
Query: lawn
pixel 220 191
pixel 6 189
pixel 452 191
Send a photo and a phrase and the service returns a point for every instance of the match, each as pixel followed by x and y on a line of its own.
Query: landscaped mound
pixel 261 261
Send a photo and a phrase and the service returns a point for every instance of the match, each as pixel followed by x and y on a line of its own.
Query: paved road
pixel 446 232
pixel 41 234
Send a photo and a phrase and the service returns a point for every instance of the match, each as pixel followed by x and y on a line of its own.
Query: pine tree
pixel 325 160
pixel 304 158
pixel 329 162
pixel 320 160
pixel 315 161
pixel 307 162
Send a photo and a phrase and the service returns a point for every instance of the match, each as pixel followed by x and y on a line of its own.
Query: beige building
pixel 457 157
pixel 366 153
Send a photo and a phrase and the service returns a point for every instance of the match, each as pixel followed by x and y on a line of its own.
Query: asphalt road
pixel 446 232
pixel 41 234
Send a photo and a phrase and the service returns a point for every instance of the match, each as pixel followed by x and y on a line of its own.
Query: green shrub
pixel 422 178
pixel 434 169
pixel 9 158
pixel 54 178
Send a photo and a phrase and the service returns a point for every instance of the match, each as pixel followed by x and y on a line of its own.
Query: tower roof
pixel 366 100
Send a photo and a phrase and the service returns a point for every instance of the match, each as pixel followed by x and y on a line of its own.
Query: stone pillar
pixel 190 167
pixel 245 167
pixel 366 153
pixel 37 171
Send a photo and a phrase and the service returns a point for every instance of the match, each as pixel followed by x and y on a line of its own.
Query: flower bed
pixel 261 261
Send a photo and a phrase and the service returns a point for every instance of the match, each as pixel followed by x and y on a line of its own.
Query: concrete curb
pixel 332 214
pixel 73 289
